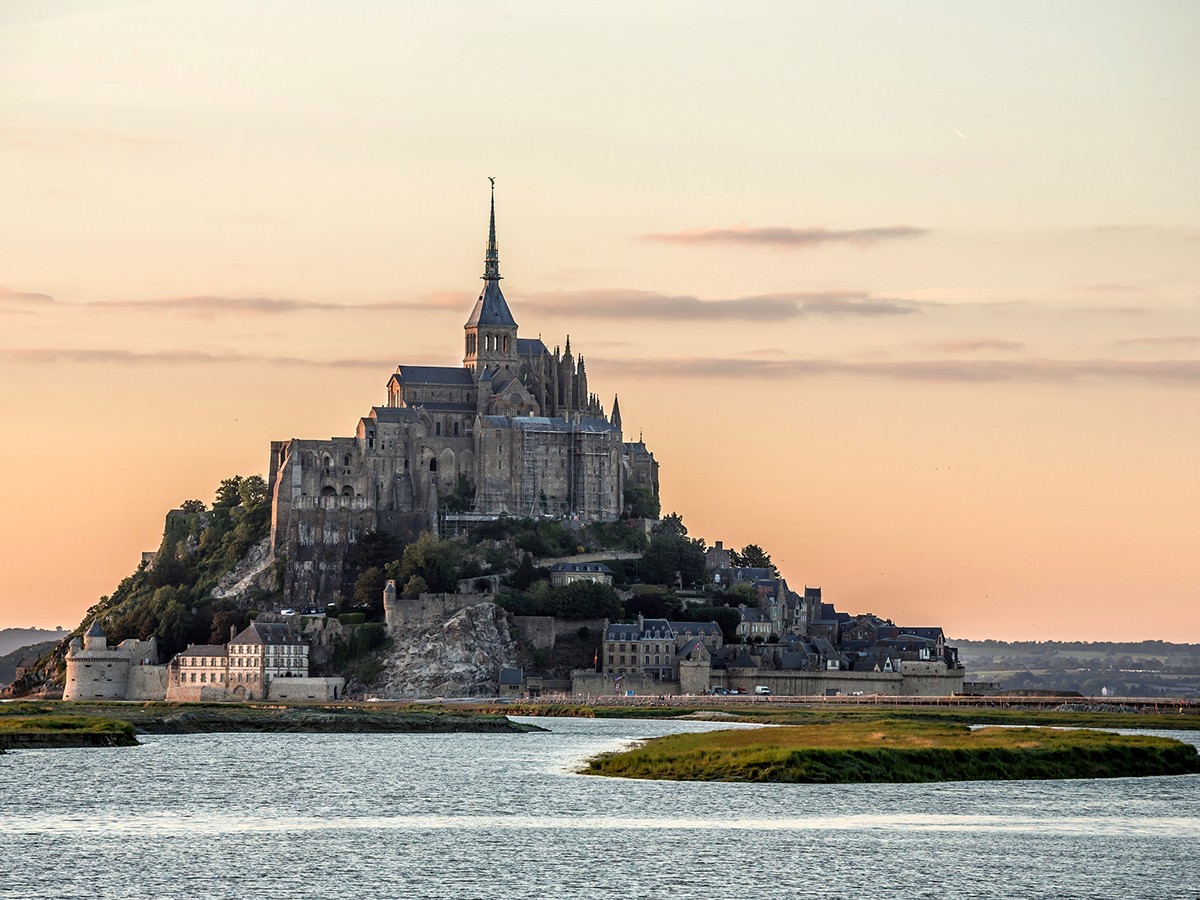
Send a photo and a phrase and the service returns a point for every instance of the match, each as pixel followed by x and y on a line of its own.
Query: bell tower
pixel 491 331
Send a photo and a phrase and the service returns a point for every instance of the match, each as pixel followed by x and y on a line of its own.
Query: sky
pixel 906 293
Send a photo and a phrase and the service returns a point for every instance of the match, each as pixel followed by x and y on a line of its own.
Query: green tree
pixel 368 592
pixel 252 492
pixel 432 559
pixel 754 557
pixel 670 555
pixel 641 503
pixel 526 573
pixel 462 498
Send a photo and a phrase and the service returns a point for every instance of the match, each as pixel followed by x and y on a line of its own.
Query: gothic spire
pixel 491 309
pixel 616 413
pixel 491 256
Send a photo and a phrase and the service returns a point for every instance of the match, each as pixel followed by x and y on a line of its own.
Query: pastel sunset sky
pixel 907 293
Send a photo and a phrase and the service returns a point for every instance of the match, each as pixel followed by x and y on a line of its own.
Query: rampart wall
pixel 306 689
pixel 428 609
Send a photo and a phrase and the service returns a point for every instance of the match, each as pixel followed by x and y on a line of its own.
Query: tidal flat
pixel 891 751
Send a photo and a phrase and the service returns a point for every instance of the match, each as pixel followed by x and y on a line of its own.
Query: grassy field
pixel 765 713
pixel 194 718
pixel 39 731
pixel 897 751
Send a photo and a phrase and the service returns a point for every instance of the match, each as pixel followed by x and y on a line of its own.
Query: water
pixel 504 816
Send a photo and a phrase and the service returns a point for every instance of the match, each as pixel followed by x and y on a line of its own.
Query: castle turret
pixel 491 331
pixel 95 638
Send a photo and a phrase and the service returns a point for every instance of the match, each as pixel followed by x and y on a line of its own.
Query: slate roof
pixel 393 414
pixel 273 633
pixel 95 630
pixel 594 567
pixel 491 308
pixel 531 347
pixel 205 650
pixel 511 676
pixel 440 406
pixel 686 628
pixel 435 375
pixel 749 614
pixel 622 631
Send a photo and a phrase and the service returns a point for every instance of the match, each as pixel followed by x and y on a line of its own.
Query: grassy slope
pixel 891 751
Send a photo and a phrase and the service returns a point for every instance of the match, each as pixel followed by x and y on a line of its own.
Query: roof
pixel 435 375
pixel 510 675
pixel 95 630
pixel 393 414
pixel 273 633
pixel 531 347
pixel 685 628
pixel 439 406
pixel 599 568
pixel 491 308
pixel 205 650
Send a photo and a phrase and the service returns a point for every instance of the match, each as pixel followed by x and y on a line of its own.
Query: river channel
pixel 505 816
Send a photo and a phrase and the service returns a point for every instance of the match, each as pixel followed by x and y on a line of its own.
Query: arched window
pixel 456 429
pixel 437 428
pixel 506 343
pixel 432 465
pixel 347 491
pixel 346 461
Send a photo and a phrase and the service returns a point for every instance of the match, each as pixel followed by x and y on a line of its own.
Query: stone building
pixel 96 671
pixel 263 661
pixel 567 572
pixel 514 430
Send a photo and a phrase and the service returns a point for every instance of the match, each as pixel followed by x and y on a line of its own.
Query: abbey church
pixel 513 431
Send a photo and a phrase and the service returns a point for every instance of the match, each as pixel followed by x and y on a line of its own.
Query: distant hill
pixel 12 638
pixel 8 664
pixel 1123 668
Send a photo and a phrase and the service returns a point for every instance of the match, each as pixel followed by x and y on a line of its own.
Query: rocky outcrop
pixel 255 572
pixel 458 657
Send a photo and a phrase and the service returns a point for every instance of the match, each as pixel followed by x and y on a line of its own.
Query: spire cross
pixel 491 257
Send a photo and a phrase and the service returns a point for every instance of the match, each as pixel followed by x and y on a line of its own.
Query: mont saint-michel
pixel 487 531
pixel 515 430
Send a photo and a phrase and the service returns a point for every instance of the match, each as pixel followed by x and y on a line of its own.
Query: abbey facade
pixel 513 431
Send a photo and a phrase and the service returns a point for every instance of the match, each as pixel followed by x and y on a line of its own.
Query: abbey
pixel 514 430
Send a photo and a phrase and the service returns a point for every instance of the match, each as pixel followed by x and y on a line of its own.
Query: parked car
pixel 761 689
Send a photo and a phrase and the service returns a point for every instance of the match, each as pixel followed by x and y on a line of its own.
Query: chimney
pixel 232 633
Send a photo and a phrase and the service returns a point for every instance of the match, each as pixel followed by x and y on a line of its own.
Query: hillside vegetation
pixel 171 599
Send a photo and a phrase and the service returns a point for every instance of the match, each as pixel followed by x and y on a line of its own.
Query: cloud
pixel 780 236
pixel 215 304
pixel 634 304
pixel 973 345
pixel 102 356
pixel 8 295
pixel 1118 286
pixel 1179 340
pixel 1186 372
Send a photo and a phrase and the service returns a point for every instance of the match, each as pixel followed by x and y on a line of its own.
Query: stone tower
pixel 491 331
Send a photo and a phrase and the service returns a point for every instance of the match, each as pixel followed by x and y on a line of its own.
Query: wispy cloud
pixel 780 236
pixel 1177 340
pixel 10 295
pixel 1185 372
pixel 973 345
pixel 215 304
pixel 634 304
pixel 1115 287
pixel 62 355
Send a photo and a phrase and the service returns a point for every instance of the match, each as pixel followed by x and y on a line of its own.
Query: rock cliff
pixel 458 657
